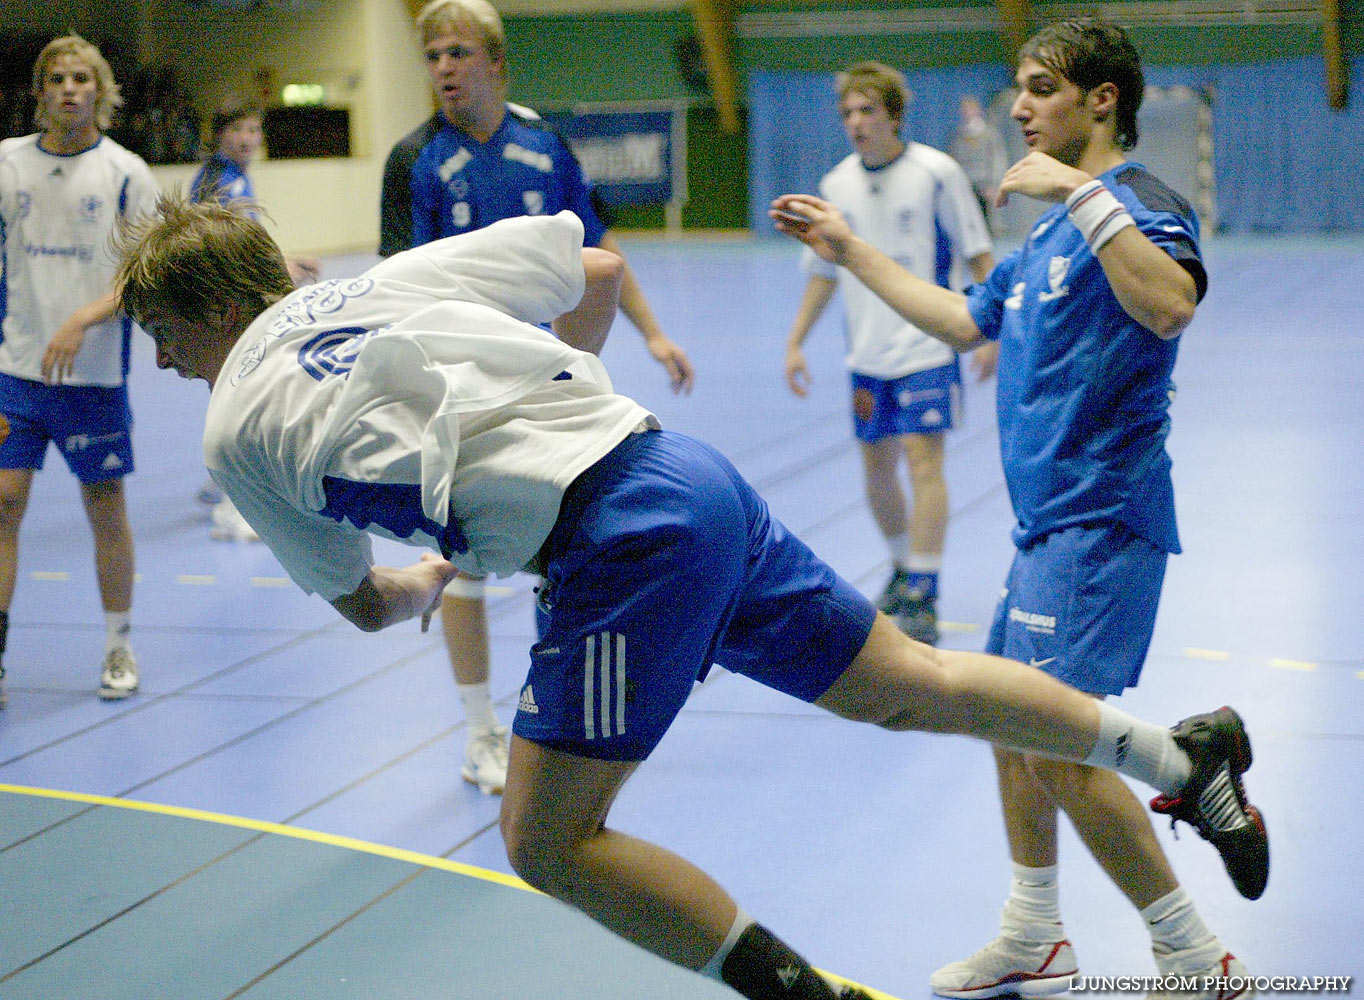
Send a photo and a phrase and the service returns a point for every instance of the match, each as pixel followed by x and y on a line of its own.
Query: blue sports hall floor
pixel 279 812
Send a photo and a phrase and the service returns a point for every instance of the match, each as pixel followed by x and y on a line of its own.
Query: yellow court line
pixel 1194 653
pixel 1305 666
pixel 297 832
pixel 57 575
pixel 196 579
pixel 269 581
pixel 317 837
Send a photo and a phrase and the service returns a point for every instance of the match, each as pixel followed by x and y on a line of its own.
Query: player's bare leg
pixel 107 511
pixel 464 623
pixel 15 485
pixel 554 825
pixel 14 491
pixel 901 684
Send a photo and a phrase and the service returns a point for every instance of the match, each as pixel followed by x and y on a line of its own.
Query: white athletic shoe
pixel 4 695
pixel 1215 974
pixel 1008 966
pixel 229 525
pixel 118 680
pixel 485 760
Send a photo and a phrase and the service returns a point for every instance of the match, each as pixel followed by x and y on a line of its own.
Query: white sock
pixel 900 550
pixel 712 968
pixel 1140 750
pixel 924 562
pixel 1175 926
pixel 1033 909
pixel 478 707
pixel 117 626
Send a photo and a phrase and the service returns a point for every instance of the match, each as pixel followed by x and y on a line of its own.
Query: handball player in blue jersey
pixel 477 160
pixel 423 402
pixel 1088 314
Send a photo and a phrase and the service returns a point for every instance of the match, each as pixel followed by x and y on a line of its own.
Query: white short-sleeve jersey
pixel 56 216
pixel 920 210
pixel 417 402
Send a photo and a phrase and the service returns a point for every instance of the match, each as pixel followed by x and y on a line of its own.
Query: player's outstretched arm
pixel 818 291
pixel 636 308
pixel 387 595
pixel 586 326
pixel 938 312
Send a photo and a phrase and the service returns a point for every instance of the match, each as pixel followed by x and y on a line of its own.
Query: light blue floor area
pixel 879 856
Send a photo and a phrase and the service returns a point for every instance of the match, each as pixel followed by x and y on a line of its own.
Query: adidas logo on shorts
pixel 527 702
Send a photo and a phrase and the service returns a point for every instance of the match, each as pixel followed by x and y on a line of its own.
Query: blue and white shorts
pixel 89 424
pixel 923 402
pixel 664 561
pixel 1081 605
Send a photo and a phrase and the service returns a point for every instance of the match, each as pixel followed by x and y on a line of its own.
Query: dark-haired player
pixel 1088 315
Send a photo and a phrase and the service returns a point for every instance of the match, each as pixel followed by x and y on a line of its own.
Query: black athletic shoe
pixel 918 619
pixel 1214 802
pixel 896 594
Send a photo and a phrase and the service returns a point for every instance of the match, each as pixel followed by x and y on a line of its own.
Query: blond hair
pixel 440 16
pixel 192 258
pixel 875 78
pixel 108 97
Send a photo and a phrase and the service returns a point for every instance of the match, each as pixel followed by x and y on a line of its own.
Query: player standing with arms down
pixel 913 202
pixel 1088 314
pixel 63 374
pixel 478 160
pixel 419 402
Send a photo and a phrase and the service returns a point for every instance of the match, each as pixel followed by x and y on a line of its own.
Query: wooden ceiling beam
pixel 715 28
pixel 1337 73
pixel 1015 20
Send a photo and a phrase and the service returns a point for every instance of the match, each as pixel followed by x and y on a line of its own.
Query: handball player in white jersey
pixel 914 203
pixel 422 402
pixel 63 373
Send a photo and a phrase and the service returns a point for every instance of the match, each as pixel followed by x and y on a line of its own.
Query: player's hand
pixel 61 353
pixel 440 572
pixel 1040 176
pixel 675 362
pixel 815 222
pixel 798 378
pixel 985 360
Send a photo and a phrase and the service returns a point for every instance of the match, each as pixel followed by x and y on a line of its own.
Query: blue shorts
pixel 89 424
pixel 664 561
pixel 923 402
pixel 1081 605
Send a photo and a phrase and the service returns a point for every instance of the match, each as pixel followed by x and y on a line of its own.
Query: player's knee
pixel 539 857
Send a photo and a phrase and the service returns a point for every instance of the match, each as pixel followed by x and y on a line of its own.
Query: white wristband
pixel 1097 213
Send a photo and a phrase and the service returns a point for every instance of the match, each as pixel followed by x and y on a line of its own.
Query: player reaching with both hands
pixel 1088 315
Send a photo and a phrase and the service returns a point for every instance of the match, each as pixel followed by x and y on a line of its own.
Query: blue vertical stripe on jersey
pixel 942 259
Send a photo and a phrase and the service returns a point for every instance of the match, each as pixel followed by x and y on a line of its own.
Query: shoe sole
pixel 116 694
pixel 1042 986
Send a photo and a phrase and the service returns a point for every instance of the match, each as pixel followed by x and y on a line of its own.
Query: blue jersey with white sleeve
pixel 440 181
pixel 1084 390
